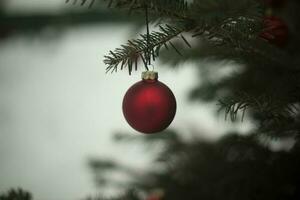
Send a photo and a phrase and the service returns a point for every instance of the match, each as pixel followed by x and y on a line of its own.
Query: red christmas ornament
pixel 153 197
pixel 156 195
pixel 149 106
pixel 275 31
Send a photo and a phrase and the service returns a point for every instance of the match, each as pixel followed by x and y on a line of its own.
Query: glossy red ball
pixel 275 31
pixel 149 106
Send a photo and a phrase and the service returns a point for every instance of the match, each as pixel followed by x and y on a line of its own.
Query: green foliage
pixel 233 27
pixel 16 194
pixel 169 8
pixel 214 12
pixel 136 49
pixel 220 22
pixel 232 168
pixel 129 195
pixel 271 107
pixel 82 2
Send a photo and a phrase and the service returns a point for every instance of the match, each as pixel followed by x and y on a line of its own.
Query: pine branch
pixel 236 26
pixel 82 2
pixel 16 194
pixel 129 195
pixel 240 36
pixel 269 108
pixel 213 12
pixel 238 29
pixel 232 107
pixel 166 8
pixel 135 50
pixel 223 33
pixel 170 8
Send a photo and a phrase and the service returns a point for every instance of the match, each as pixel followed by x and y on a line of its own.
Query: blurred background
pixel 59 109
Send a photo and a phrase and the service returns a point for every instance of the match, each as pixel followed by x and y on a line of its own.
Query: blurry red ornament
pixel 275 31
pixel 153 197
pixel 149 106
pixel 156 195
pixel 275 3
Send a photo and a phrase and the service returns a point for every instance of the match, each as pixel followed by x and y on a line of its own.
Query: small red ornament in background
pixel 275 31
pixel 149 106
pixel 153 197
pixel 156 195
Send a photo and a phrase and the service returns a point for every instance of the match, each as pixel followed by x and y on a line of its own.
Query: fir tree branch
pixel 82 2
pixel 240 35
pixel 269 108
pixel 240 25
pixel 16 194
pixel 216 11
pixel 129 195
pixel 166 8
pixel 223 33
pixel 170 8
pixel 136 49
pixel 236 26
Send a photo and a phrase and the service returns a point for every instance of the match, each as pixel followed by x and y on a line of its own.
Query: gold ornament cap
pixel 149 75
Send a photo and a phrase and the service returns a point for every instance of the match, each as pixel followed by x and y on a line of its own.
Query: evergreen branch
pixel 266 107
pixel 82 2
pixel 241 35
pixel 215 11
pixel 221 34
pixel 16 194
pixel 170 8
pixel 136 49
pixel 232 107
pixel 129 195
pixel 235 26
